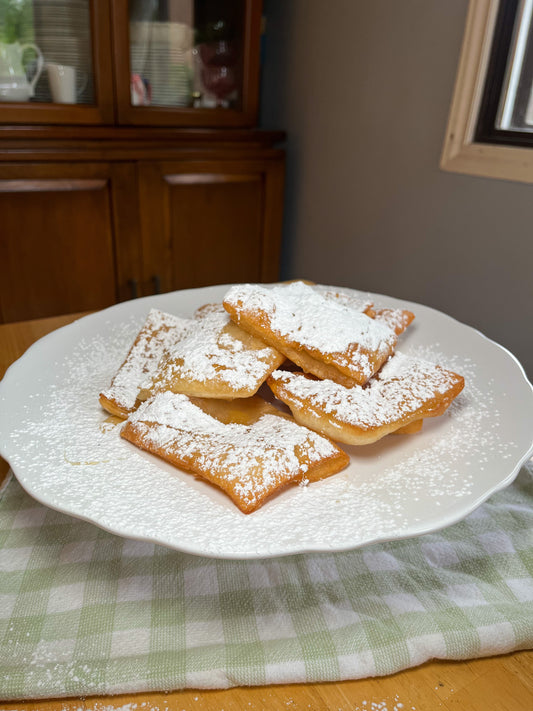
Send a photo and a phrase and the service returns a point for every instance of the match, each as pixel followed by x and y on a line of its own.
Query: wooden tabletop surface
pixel 502 683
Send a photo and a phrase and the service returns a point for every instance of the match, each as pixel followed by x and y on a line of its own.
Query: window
pixel 506 110
pixel 490 128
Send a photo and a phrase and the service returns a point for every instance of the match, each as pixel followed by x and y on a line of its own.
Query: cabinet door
pixel 61 229
pixel 208 223
pixel 57 68
pixel 187 62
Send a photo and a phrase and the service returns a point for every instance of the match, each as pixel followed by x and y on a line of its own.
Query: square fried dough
pixel 325 336
pixel 248 450
pixel 406 390
pixel 158 334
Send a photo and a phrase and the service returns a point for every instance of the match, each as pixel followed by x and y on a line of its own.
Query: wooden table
pixel 493 684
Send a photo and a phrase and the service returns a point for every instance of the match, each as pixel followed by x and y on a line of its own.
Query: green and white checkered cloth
pixel 86 612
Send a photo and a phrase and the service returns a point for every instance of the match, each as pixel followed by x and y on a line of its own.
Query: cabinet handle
pixel 134 290
pixel 156 279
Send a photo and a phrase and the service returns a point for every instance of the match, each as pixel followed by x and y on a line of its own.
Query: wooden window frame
pixel 461 152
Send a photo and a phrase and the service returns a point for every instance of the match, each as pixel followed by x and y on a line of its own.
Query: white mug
pixel 62 80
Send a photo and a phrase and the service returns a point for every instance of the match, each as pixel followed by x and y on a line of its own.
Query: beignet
pixel 323 335
pixel 406 390
pixel 158 334
pixel 249 462
pixel 214 359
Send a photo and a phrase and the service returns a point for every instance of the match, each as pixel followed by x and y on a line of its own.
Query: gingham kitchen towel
pixel 85 612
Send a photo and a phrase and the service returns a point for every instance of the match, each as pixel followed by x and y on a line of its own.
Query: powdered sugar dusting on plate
pixel 68 456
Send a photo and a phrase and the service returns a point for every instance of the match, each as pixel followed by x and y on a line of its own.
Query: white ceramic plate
pixel 53 433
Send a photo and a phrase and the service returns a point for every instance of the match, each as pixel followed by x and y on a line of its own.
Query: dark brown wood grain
pixel 210 221
pixel 220 244
pixel 57 245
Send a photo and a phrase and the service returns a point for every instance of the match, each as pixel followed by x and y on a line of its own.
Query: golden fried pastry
pixel 159 332
pixel 214 359
pixel 406 389
pixel 249 452
pixel 322 335
pixel 411 428
pixel 241 411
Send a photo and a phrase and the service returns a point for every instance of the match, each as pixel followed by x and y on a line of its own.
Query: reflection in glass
pixel 56 60
pixel 186 52
pixel 516 105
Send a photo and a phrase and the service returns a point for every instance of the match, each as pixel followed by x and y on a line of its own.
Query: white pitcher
pixel 14 82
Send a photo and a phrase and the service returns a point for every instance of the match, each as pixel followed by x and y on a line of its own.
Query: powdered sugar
pixel 353 301
pixel 396 319
pixel 214 351
pixel 178 412
pixel 304 315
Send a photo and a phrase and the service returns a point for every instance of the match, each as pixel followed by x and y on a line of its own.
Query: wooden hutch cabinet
pixel 141 171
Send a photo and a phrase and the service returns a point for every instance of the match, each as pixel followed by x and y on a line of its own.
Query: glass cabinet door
pixel 187 62
pixel 55 61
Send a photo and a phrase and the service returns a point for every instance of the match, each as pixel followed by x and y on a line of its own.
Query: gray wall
pixel 363 90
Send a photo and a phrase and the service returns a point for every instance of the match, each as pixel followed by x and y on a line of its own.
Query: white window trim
pixel 460 152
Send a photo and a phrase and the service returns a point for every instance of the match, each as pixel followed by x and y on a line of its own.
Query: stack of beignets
pixel 329 356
